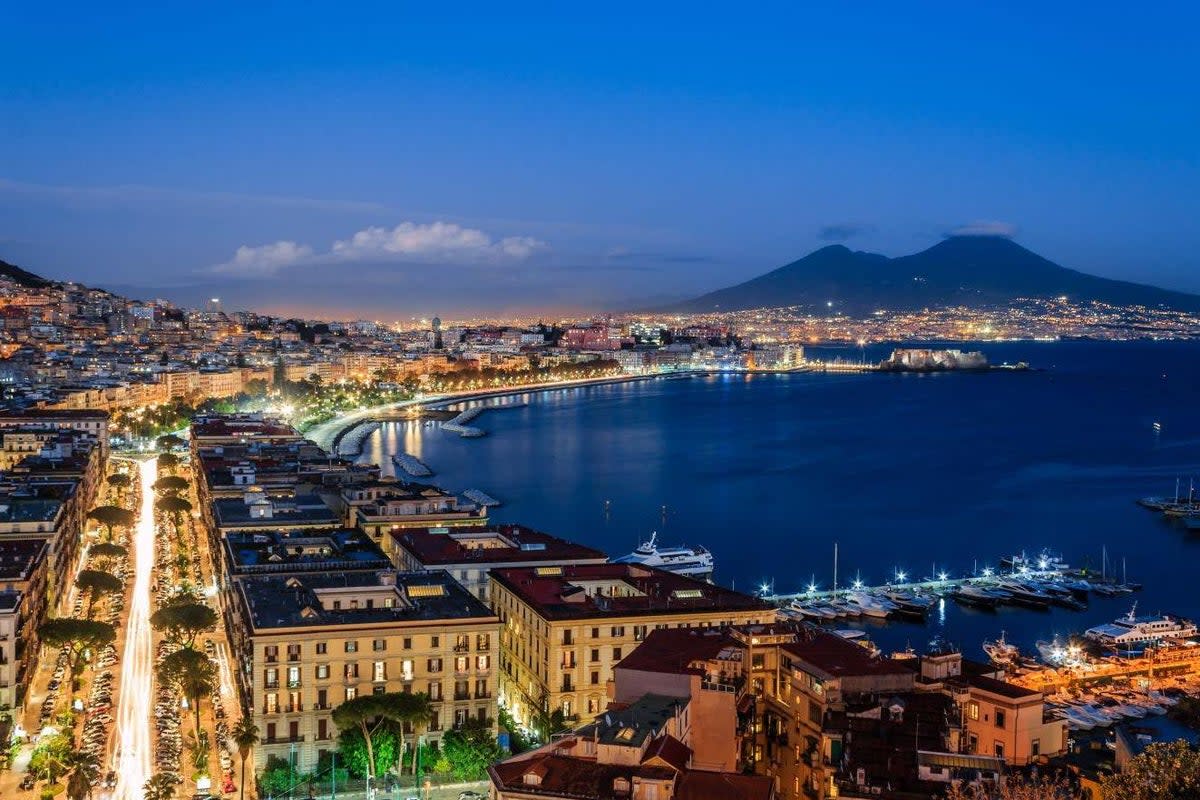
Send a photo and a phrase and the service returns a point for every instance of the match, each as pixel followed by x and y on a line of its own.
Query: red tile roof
pixel 840 657
pixel 562 595
pixel 674 650
pixel 441 548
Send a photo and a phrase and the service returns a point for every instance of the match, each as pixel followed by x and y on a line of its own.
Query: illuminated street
pixel 134 738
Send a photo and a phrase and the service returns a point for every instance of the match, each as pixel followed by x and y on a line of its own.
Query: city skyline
pixel 563 163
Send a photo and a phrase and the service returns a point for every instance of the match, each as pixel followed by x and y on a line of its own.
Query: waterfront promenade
pixel 327 433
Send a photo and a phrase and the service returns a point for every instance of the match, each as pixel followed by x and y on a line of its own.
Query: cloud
pixel 437 242
pixel 265 260
pixel 985 227
pixel 841 231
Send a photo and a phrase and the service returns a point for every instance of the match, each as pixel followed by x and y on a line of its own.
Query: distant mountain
pixel 960 270
pixel 23 277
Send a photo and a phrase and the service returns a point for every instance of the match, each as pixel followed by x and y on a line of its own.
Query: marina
pixel 1035 583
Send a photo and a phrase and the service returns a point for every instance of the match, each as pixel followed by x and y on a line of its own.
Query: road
pixel 135 740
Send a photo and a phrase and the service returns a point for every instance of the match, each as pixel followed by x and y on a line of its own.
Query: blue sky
pixel 413 159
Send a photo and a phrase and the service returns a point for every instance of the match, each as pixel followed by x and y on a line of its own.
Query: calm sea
pixel 918 473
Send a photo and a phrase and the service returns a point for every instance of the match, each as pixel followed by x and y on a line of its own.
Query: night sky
pixel 339 159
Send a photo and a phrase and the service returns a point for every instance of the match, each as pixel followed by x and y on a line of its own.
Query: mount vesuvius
pixel 958 271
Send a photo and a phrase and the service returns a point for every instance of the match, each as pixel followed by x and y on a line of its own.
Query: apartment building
pixel 566 627
pixel 470 552
pixel 22 609
pixel 307 643
pixel 386 505
pixel 1006 721
pixel 94 423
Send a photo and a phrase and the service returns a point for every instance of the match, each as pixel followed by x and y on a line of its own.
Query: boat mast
pixel 1104 562
pixel 835 568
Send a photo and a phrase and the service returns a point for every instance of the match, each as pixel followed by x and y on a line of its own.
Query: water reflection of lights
pixel 133 711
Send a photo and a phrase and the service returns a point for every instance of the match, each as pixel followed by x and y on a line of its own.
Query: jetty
pixel 350 441
pixel 459 424
pixel 480 498
pixel 412 465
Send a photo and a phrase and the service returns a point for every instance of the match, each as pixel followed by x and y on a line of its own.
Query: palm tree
pixel 245 736
pixel 160 787
pixel 85 772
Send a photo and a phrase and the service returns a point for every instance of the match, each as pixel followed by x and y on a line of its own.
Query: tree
pixel 245 736
pixel 352 749
pixel 471 749
pixel 168 442
pixel 415 710
pixel 160 787
pixel 193 673
pixel 173 506
pixel 1019 787
pixel 51 758
pixel 1163 771
pixel 368 714
pixel 168 461
pixel 85 773
pixel 120 481
pixel 183 621
pixel 107 552
pixel 170 485
pixel 77 636
pixel 112 517
pixel 94 584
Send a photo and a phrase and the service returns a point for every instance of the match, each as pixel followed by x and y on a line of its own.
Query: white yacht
pixel 694 562
pixel 1133 632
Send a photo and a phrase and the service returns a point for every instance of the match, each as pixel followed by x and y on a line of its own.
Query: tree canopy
pixel 170 485
pixel 1163 771
pixel 95 584
pixel 168 461
pixel 169 441
pixel 193 673
pixel 184 621
pixel 112 517
pixel 77 636
pixel 471 749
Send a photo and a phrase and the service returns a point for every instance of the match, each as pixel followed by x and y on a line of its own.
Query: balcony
pixel 292 709
pixel 283 739
pixel 462 648
pixel 458 696
pixel 293 684
pixel 483 647
pixel 483 695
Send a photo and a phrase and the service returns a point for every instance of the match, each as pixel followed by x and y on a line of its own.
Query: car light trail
pixel 135 742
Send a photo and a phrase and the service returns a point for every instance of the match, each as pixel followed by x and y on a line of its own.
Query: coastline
pixel 328 433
